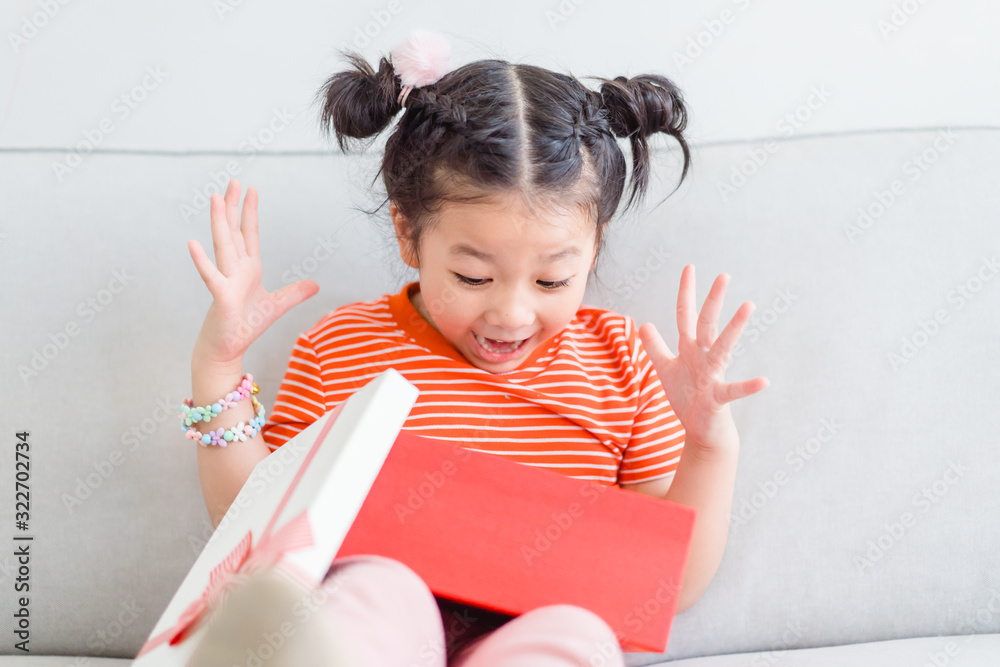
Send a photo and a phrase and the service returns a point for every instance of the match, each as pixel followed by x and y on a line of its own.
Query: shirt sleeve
pixel 654 448
pixel 301 399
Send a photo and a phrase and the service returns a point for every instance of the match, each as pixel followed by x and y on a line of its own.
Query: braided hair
pixel 493 127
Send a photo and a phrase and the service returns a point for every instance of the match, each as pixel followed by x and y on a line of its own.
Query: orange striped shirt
pixel 586 403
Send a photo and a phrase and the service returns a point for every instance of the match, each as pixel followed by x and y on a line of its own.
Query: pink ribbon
pixel 243 560
pixel 236 567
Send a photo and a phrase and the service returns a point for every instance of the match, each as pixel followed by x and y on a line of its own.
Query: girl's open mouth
pixel 497 350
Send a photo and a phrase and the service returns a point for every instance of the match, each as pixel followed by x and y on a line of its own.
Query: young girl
pixel 502 179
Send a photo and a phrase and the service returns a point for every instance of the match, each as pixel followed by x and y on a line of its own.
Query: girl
pixel 502 179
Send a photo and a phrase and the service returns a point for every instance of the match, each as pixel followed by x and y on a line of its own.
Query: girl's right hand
pixel 242 309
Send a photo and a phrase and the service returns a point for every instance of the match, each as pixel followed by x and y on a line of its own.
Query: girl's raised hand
pixel 242 309
pixel 694 379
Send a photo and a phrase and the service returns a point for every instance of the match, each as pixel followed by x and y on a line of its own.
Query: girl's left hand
pixel 693 380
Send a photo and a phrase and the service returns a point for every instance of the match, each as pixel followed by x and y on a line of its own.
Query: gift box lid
pixel 293 511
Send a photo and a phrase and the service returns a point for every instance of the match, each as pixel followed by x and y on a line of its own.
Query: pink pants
pixel 390 618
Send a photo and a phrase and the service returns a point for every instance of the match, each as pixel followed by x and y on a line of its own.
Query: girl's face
pixel 497 281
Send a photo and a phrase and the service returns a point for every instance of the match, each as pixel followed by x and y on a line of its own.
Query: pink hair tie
pixel 421 59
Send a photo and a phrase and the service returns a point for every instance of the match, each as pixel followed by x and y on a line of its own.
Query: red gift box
pixel 509 537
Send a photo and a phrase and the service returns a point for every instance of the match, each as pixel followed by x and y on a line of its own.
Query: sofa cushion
pixel 953 651
pixel 865 493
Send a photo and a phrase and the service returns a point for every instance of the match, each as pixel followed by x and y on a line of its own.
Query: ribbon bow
pixel 236 567
pixel 243 560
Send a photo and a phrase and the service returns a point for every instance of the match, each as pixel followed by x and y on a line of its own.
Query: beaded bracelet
pixel 191 415
pixel 222 437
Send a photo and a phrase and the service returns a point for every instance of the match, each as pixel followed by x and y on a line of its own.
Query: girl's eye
pixel 476 282
pixel 470 281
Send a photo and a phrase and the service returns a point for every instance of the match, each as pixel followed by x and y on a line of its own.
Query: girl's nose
pixel 510 314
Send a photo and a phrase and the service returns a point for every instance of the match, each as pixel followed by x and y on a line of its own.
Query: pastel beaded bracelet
pixel 191 415
pixel 222 437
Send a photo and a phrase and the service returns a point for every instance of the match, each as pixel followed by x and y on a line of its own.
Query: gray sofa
pixel 865 519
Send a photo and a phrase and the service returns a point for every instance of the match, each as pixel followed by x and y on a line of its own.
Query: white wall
pixel 229 64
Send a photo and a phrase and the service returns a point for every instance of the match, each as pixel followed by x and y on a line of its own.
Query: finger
pixel 292 295
pixel 685 304
pixel 708 320
pixel 730 391
pixel 222 239
pixel 206 269
pixel 724 344
pixel 233 216
pixel 250 235
pixel 656 349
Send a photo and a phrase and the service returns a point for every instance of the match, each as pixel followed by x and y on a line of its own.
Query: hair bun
pixel 640 107
pixel 644 104
pixel 359 102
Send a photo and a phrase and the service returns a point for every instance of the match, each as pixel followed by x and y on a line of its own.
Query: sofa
pixel 865 523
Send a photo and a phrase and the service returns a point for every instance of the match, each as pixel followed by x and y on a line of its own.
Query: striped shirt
pixel 585 403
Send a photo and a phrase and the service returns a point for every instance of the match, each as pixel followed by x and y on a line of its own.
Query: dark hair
pixel 492 127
